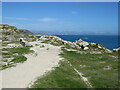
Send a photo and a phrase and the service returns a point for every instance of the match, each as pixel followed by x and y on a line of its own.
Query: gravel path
pixel 36 65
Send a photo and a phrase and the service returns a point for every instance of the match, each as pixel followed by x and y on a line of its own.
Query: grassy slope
pixel 62 77
pixel 94 68
pixel 65 77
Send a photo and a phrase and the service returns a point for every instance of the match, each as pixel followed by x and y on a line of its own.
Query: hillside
pixel 24 31
pixel 11 33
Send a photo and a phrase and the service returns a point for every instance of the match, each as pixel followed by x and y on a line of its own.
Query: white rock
pixel 86 48
pixel 99 46
pixel 117 49
pixel 3 63
pixel 107 68
pixel 93 43
pixel 43 39
pixel 11 45
pixel 82 65
pixel 108 51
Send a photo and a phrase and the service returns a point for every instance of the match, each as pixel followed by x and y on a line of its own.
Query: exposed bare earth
pixel 36 65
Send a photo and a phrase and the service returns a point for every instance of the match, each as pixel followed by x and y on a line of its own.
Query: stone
pixel 82 43
pixel 16 54
pixel 99 46
pixel 86 48
pixel 43 39
pixel 108 51
pixel 11 45
pixel 3 63
pixel 116 50
pixel 93 43
pixel 72 46
pixel 82 65
pixel 107 68
pixel 11 62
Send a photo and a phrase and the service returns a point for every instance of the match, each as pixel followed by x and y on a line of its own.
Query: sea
pixel 109 41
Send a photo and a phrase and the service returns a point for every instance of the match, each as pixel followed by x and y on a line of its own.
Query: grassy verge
pixel 100 69
pixel 18 59
pixel 17 54
pixel 6 43
pixel 62 77
pixel 93 66
pixel 20 51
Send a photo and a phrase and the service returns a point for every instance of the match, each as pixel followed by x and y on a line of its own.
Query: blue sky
pixel 63 17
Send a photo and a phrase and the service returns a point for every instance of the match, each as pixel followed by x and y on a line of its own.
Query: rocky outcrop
pixel 82 43
pixel 116 50
pixel 11 33
pixel 78 45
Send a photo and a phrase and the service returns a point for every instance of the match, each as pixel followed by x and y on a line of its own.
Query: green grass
pixel 20 51
pixel 6 56
pixel 18 59
pixel 62 77
pixel 46 41
pixel 6 53
pixel 6 66
pixel 6 43
pixel 65 77
pixel 94 69
pixel 0 67
pixel 55 43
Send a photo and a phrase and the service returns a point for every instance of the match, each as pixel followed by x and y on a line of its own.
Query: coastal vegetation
pixel 101 70
pixel 12 51
pixel 11 56
pixel 20 50
pixel 62 77
pixel 96 64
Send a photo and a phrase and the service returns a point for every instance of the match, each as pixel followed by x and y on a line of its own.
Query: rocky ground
pixel 80 45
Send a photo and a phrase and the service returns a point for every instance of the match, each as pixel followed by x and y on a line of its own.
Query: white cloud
pixel 28 19
pixel 74 12
pixel 47 19
pixel 21 18
pixel 11 18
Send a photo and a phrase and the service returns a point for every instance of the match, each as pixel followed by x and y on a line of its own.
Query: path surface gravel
pixel 36 65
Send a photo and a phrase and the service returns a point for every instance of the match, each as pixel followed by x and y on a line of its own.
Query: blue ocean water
pixel 109 41
pixel 37 36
